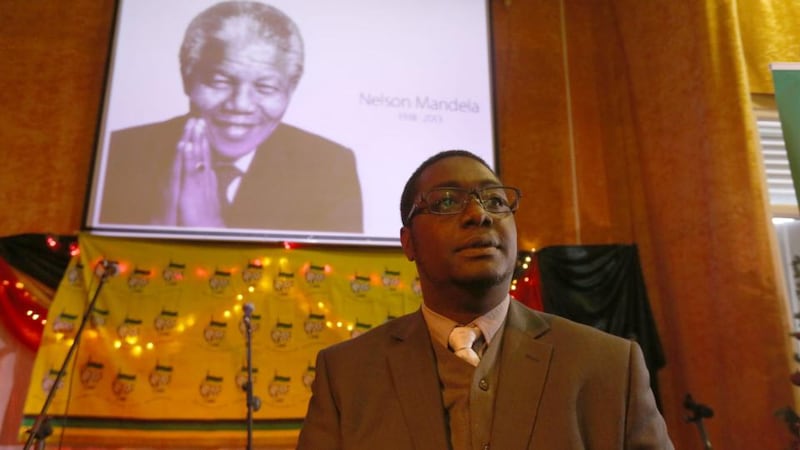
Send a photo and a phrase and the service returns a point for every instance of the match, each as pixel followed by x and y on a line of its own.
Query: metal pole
pixel 41 428
pixel 253 402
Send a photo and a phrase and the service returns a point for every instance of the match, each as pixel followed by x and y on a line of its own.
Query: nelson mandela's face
pixel 241 89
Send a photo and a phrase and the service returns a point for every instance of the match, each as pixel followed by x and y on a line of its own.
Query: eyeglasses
pixel 451 200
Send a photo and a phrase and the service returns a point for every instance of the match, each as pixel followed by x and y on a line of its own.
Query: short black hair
pixel 410 189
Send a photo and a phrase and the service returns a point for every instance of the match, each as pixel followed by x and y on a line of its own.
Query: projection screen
pixel 324 126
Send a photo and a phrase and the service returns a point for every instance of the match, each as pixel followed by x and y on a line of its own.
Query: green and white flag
pixel 786 77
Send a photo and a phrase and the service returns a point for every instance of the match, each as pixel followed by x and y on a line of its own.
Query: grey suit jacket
pixel 562 386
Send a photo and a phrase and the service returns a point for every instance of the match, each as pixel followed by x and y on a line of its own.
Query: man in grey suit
pixel 523 380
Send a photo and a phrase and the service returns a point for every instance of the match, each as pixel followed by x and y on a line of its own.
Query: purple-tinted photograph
pixel 276 121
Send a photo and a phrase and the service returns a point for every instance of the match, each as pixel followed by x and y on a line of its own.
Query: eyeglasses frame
pixel 473 193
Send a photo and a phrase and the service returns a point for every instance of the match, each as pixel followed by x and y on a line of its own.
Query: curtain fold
pixel 14 308
pixel 27 261
pixel 770 32
pixel 626 121
pixel 43 257
pixel 602 286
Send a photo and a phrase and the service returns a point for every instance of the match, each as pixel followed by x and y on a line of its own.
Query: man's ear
pixel 407 242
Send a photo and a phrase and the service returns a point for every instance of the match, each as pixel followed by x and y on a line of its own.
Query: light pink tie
pixel 461 340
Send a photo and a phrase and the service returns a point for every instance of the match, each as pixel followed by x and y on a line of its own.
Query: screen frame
pixel 90 225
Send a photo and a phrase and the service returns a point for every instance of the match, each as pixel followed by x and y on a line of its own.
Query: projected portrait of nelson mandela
pixel 230 162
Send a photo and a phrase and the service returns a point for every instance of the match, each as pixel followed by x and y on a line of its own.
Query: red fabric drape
pixel 15 302
pixel 528 287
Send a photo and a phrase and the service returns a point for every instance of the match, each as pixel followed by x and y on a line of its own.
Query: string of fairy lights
pixel 20 288
pixel 524 260
pixel 21 298
pixel 16 289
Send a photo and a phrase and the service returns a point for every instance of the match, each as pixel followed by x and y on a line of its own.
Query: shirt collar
pixel 243 162
pixel 489 323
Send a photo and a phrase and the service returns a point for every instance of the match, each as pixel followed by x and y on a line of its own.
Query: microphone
pixel 700 410
pixel 109 267
pixel 248 309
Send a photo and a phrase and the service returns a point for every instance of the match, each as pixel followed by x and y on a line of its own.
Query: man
pixel 230 162
pixel 531 381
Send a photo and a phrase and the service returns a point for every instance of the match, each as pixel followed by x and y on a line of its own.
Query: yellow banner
pixel 162 359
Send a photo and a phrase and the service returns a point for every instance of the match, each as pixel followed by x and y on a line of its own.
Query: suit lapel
pixel 258 183
pixel 524 363
pixel 412 365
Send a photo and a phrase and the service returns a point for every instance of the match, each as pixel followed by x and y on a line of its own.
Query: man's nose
pixel 474 212
pixel 242 98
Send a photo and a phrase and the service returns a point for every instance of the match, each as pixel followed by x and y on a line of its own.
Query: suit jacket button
pixel 483 384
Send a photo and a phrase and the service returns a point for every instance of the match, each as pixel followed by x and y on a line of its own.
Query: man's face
pixel 471 247
pixel 241 90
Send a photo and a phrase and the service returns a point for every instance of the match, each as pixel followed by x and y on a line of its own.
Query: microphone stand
pixel 253 402
pixel 699 412
pixel 41 426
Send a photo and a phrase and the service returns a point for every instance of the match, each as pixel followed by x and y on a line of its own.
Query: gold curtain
pixel 630 121
pixel 623 121
pixel 54 56
pixel 770 32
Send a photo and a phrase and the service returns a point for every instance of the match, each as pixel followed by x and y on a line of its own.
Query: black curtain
pixel 602 286
pixel 41 256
